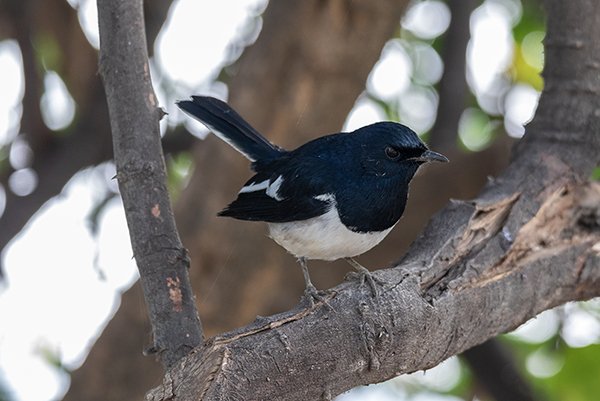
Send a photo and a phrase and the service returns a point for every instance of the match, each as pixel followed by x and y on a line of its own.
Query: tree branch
pixel 529 242
pixel 134 116
pixel 421 317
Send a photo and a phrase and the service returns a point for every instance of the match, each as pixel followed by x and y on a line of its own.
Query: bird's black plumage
pixel 349 189
pixel 371 185
pixel 218 116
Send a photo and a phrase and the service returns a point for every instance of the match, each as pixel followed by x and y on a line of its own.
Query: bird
pixel 335 197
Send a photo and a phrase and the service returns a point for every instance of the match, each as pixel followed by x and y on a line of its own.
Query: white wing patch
pixel 271 188
pixel 325 197
pixel 255 187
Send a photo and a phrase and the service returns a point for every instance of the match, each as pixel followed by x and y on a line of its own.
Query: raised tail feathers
pixel 228 125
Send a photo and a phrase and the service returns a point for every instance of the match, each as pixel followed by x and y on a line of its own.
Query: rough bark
pixel 134 115
pixel 530 241
pixel 437 303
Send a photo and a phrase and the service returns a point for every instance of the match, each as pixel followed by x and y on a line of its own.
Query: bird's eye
pixel 391 152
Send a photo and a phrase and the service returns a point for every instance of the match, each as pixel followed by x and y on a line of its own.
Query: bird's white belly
pixel 323 237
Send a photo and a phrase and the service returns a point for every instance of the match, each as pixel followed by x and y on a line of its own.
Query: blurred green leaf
pixel 579 379
pixel 578 373
pixel 532 19
pixel 475 129
pixel 527 65
pixel 179 167
pixel 464 387
pixel 4 164
pixel 48 51
pixel 528 33
pixel 51 356
pixel 596 174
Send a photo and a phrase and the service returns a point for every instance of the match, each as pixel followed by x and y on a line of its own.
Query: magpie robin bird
pixel 334 197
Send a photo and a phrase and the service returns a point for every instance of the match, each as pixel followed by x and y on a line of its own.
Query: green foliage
pixel 595 174
pixel 49 52
pixel 179 167
pixel 4 164
pixel 51 356
pixel 475 129
pixel 528 60
pixel 578 380
pixel 390 109
pixel 556 370
pixel 532 19
pixel 528 33
pixel 464 386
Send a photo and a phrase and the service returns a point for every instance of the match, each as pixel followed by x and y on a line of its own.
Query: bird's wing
pixel 283 194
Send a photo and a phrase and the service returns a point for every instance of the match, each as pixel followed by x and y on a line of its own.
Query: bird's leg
pixel 310 292
pixel 365 275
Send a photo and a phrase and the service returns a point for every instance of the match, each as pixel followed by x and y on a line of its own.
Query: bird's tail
pixel 228 125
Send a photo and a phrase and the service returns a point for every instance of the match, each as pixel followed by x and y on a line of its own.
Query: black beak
pixel 431 156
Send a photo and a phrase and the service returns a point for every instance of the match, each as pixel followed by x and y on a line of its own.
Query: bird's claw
pixel 367 277
pixel 364 275
pixel 311 294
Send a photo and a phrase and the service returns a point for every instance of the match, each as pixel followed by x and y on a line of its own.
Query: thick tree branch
pixel 134 116
pixel 421 318
pixel 530 241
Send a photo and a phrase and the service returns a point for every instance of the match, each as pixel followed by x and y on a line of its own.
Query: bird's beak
pixel 431 156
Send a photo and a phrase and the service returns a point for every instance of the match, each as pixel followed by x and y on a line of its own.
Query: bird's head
pixel 392 149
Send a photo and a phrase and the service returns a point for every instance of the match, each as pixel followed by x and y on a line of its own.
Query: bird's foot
pixel 311 294
pixel 364 276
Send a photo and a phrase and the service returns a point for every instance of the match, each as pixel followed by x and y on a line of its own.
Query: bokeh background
pixel 465 75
